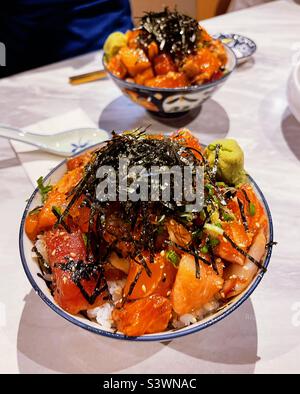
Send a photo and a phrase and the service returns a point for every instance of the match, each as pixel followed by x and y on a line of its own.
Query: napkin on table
pixel 37 162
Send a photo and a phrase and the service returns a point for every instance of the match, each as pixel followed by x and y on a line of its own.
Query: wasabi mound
pixel 113 43
pixel 231 161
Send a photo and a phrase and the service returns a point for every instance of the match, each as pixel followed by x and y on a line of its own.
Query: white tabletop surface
pixel 264 334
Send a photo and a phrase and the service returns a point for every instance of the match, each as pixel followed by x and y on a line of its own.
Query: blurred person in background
pixel 38 32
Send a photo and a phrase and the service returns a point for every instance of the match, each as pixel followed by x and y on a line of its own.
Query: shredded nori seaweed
pixel 175 33
pixel 240 250
pixel 243 215
pixel 80 270
pixel 44 267
pixel 146 151
pixel 134 282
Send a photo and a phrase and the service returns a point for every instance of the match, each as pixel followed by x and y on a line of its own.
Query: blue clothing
pixel 38 32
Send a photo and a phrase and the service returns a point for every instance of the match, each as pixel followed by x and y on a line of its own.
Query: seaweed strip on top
pixel 244 218
pixel 134 282
pixel 216 161
pixel 212 256
pixel 174 33
pixel 59 220
pixel 80 270
pixel 140 149
pixel 246 196
pixel 240 250
pixel 44 267
pixel 194 253
pixel 211 178
pixel 197 267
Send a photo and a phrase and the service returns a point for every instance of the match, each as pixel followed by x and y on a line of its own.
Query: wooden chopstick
pixel 88 77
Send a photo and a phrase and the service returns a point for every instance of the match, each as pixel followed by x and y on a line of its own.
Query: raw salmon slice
pixel 145 316
pixel 61 245
pixel 58 198
pixel 68 295
pixel 190 293
pixel 160 281
pixel 237 233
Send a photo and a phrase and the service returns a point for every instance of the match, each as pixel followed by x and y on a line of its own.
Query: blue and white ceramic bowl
pixel 243 47
pixel 170 102
pixel 32 270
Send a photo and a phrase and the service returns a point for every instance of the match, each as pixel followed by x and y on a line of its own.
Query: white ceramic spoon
pixel 65 143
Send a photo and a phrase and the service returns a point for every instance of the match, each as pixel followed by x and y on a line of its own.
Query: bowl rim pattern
pixel 231 35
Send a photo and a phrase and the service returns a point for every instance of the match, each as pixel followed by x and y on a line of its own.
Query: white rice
pixel 211 307
pixel 193 317
pixel 41 247
pixel 103 314
pixel 115 288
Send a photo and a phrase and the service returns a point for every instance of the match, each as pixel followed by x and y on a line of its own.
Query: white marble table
pixel 264 334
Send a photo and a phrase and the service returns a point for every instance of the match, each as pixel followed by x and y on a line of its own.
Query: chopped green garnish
pixel 35 211
pixel 85 239
pixel 159 230
pixel 218 225
pixel 252 209
pixel 216 200
pixel 227 217
pixel 173 257
pixel 43 189
pixel 214 242
pixel 220 184
pixel 161 219
pixel 188 216
pixel 204 249
pixel 57 210
pixel 210 189
pixel 214 217
pixel 202 215
pixel 212 228
pixel 197 234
